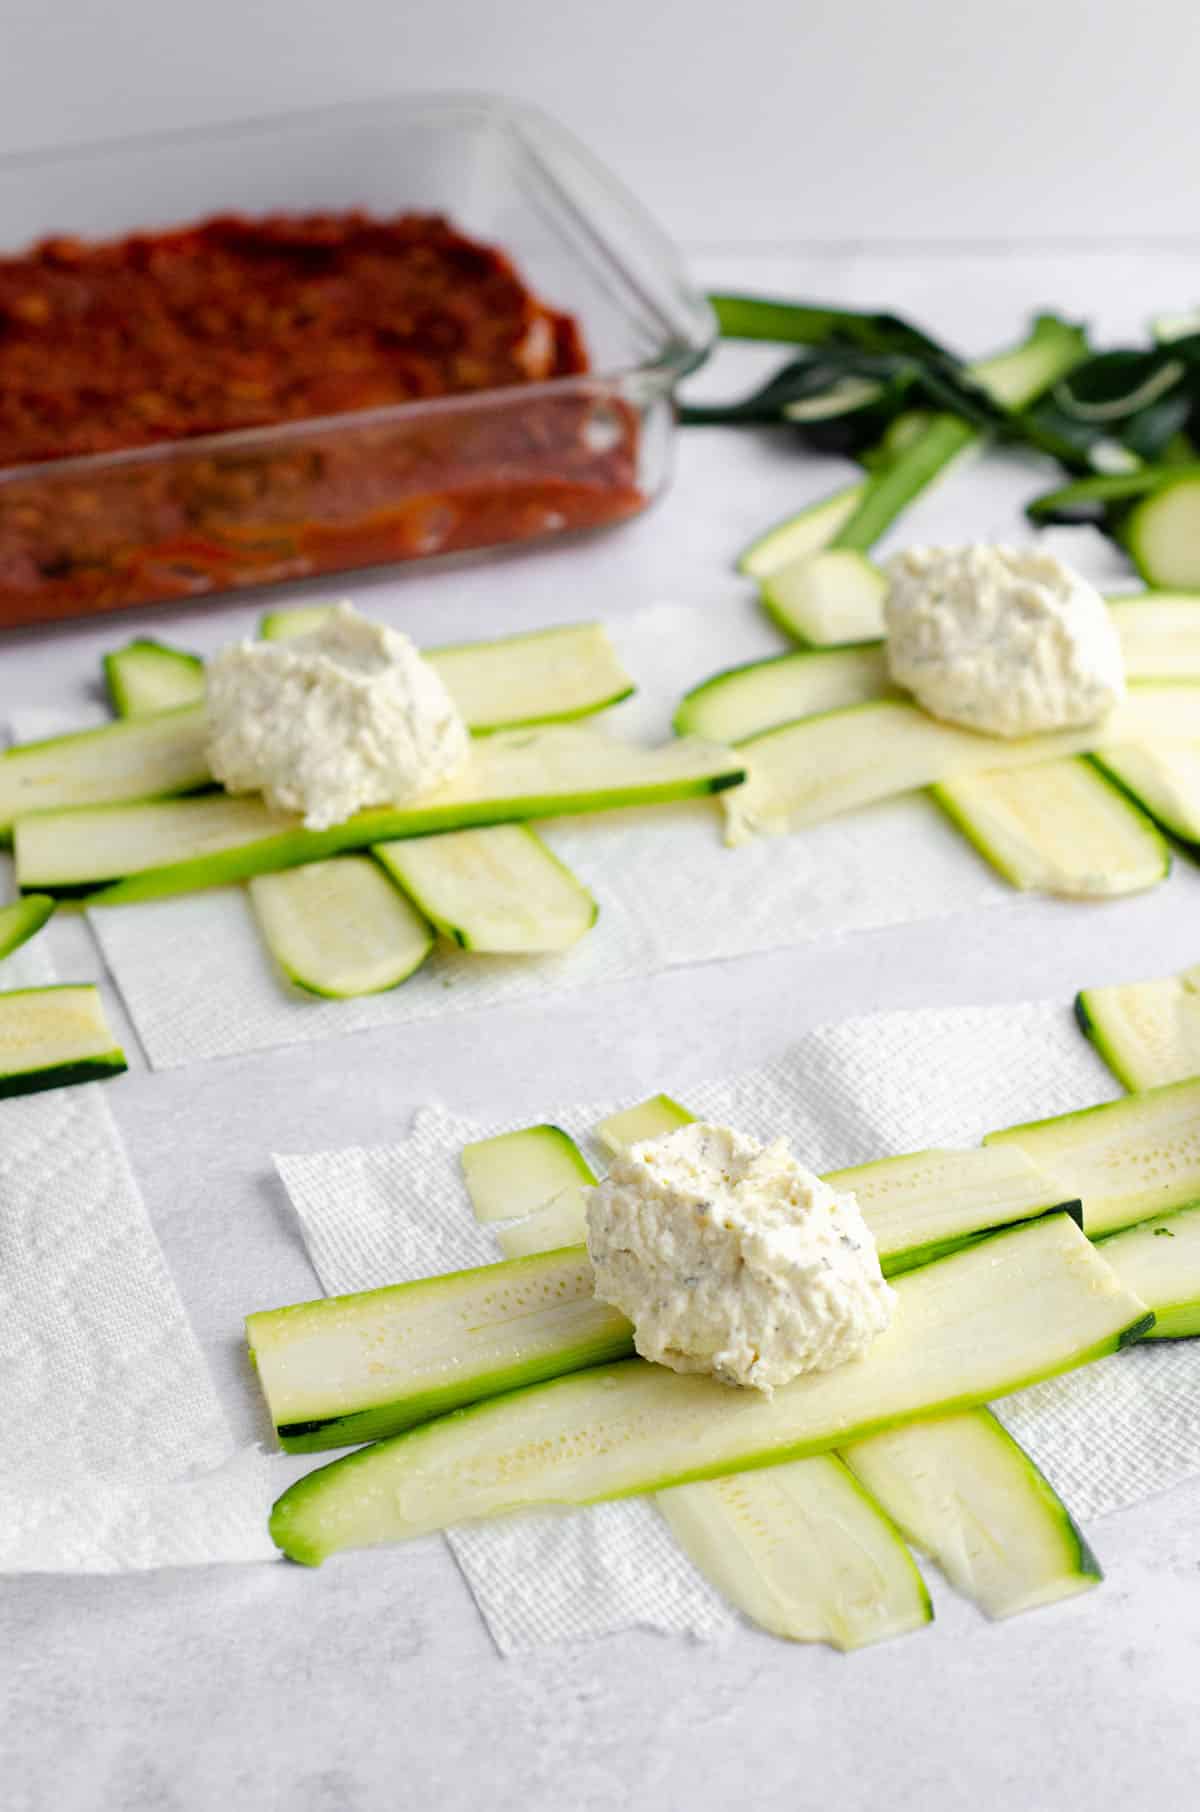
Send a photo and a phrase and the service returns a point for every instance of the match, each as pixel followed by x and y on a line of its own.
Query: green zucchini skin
pixel 23 919
pixel 63 1075
pixel 147 676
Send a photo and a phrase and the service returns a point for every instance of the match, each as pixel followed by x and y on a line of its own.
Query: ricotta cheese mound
pixel 327 723
pixel 1007 640
pixel 729 1257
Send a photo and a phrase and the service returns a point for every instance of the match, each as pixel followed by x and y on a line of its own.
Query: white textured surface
pixel 198 982
pixel 1107 1436
pixel 329 1691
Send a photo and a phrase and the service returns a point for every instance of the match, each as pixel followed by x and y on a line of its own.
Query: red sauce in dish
pixel 148 342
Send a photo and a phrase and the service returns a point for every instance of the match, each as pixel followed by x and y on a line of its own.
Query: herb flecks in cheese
pixel 729 1257
pixel 1006 640
pixel 328 723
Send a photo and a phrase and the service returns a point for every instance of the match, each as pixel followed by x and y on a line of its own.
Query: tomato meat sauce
pixel 216 406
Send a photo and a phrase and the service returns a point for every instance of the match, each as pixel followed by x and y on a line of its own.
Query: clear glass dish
pixel 410 481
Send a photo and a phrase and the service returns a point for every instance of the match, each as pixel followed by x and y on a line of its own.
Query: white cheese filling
pixel 1007 640
pixel 328 723
pixel 729 1257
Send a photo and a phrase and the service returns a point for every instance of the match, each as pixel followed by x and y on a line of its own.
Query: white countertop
pixel 372 1682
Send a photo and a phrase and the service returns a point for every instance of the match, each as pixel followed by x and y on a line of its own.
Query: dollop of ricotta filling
pixel 327 723
pixel 729 1257
pixel 1006 640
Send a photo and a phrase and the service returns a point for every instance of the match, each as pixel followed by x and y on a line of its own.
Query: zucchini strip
pixel 1164 778
pixel 835 596
pixel 357 1367
pixel 497 890
pixel 803 1550
pixel 340 928
pixel 1160 634
pixel 1147 1032
pixel 137 758
pixel 1029 1303
pixel 1061 827
pixel 167 847
pixel 648 1120
pixel 762 695
pixel 53 1037
pixel 543 676
pixel 148 676
pixel 963 1492
pixel 812 770
pixel 517 1172
pixel 1127 1159
pixel 1159 1261
pixel 22 920
pixel 800 535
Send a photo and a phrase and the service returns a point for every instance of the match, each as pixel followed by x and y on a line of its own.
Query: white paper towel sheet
pixel 110 1417
pixel 198 983
pixel 1115 1432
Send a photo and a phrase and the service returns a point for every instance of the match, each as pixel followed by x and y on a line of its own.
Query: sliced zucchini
pixel 803 1551
pixel 828 597
pixel 1061 827
pixel 1032 1302
pixel 1147 1032
pixel 814 769
pixel 1160 634
pixel 925 1204
pixel 1164 778
pixel 544 676
pixel 966 1494
pixel 22 920
pixel 299 619
pixel 498 890
pixel 918 1207
pixel 1162 534
pixel 561 1222
pixel 1160 1262
pixel 516 1172
pixel 1127 1159
pixel 148 676
pixel 353 1368
pixel 52 1037
pixel 805 533
pixel 744 701
pixel 648 1120
pixel 340 928
pixel 142 758
pixel 173 847
pixel 944 441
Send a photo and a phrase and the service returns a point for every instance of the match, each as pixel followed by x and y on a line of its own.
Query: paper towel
pixel 198 983
pixel 107 1399
pixel 1106 1436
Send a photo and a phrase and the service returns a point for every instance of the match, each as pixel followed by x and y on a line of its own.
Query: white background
pixel 736 120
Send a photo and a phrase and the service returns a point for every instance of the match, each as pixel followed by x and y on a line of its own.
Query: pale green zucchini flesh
pixel 828 597
pixel 148 676
pixel 813 770
pixel 963 1492
pixel 1159 1260
pixel 1162 533
pixel 803 1551
pixel 745 701
pixel 1127 1159
pixel 1160 634
pixel 540 677
pixel 924 1204
pixel 138 758
pixel 1061 827
pixel 167 847
pixel 1030 1303
pixel 647 1120
pixel 1164 778
pixel 1147 1032
pixel 340 928
pixel 353 1368
pixel 515 1173
pixel 805 533
pixel 498 890
pixel 23 919
pixel 53 1037
pixel 560 1222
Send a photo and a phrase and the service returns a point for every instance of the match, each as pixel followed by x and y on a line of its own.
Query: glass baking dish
pixel 409 481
